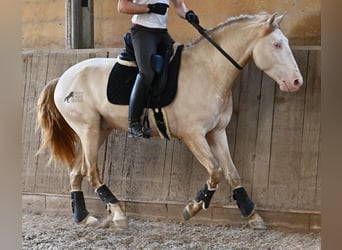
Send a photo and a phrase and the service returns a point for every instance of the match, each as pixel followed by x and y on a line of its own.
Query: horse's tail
pixel 57 135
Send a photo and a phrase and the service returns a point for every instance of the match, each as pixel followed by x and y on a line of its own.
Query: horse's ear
pixel 270 20
pixel 280 18
pixel 270 24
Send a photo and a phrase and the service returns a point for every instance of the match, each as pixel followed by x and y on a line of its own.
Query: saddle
pixel 164 87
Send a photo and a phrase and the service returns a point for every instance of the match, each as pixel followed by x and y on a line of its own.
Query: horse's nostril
pixel 296 82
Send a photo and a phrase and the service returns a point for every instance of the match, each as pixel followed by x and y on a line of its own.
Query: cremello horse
pixel 74 131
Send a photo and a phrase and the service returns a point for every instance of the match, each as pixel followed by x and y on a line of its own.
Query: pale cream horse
pixel 198 115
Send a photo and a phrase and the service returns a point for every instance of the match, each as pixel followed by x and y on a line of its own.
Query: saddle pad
pixel 122 77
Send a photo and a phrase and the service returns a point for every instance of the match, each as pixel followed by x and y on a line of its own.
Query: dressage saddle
pixel 164 86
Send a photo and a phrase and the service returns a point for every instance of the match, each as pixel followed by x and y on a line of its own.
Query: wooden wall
pixel 43 21
pixel 274 139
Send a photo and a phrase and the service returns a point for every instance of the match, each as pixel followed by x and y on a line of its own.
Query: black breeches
pixel 146 43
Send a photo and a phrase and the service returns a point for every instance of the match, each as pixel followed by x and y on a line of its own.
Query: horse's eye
pixel 277 45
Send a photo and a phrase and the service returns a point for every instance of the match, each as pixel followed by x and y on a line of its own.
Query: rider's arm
pixel 183 11
pixel 128 7
pixel 180 7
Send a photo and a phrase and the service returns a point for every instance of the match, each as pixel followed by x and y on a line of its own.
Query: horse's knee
pixel 215 177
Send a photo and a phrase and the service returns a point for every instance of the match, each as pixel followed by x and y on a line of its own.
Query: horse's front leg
pixel 218 142
pixel 201 150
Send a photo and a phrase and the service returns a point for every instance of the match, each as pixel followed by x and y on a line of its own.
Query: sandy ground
pixel 60 232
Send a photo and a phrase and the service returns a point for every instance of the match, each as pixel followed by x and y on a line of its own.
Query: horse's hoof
pixel 118 217
pixel 256 222
pixel 121 224
pixel 192 209
pixel 186 213
pixel 89 220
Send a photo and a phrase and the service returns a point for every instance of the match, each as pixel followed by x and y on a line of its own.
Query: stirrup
pixel 137 130
pixel 147 133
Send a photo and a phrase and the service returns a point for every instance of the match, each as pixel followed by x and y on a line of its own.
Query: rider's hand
pixel 158 8
pixel 192 17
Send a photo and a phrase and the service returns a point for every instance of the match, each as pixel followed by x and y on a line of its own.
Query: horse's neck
pixel 238 41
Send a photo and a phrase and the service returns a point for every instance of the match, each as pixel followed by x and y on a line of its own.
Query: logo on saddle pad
pixel 122 77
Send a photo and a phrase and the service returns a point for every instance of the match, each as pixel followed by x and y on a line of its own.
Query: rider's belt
pixel 138 26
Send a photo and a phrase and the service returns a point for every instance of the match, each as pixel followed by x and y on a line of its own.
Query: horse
pixel 74 131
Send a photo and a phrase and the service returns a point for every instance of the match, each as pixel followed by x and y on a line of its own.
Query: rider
pixel 148 31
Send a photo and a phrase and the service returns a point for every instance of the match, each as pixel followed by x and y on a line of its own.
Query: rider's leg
pixel 145 44
pixel 136 106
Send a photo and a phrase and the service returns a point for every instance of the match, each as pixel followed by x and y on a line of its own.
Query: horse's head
pixel 273 55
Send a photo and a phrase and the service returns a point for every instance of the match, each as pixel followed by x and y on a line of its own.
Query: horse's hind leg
pixel 80 213
pixel 91 139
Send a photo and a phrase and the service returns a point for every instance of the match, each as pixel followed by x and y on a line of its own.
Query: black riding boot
pixel 137 102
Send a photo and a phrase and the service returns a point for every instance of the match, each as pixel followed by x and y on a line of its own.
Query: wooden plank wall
pixel 274 139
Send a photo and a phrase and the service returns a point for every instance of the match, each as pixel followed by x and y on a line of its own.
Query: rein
pixel 202 31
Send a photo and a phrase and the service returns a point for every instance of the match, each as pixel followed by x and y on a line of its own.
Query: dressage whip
pixel 202 31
